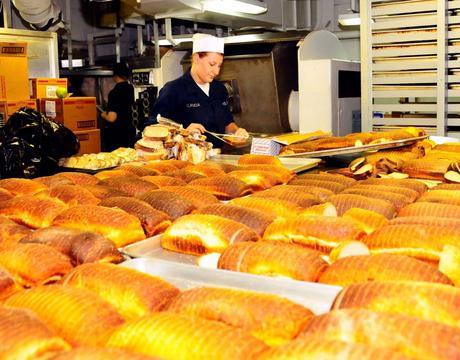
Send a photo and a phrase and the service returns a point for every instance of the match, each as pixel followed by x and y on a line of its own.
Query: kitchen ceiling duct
pixel 40 14
pixel 241 13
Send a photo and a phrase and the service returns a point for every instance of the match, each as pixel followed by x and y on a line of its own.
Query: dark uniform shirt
pixel 183 101
pixel 120 133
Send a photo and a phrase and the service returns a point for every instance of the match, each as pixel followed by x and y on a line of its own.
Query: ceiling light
pixel 253 7
pixel 350 19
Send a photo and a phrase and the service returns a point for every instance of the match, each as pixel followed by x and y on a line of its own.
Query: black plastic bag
pixel 31 145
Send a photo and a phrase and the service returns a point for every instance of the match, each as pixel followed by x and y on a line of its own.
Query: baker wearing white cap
pixel 196 99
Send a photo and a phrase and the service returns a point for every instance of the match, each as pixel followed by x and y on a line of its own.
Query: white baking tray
pixel 294 164
pixel 317 297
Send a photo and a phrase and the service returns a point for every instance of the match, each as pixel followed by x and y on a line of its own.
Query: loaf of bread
pixel 424 168
pixel 344 202
pixel 169 202
pixel 18 186
pixel 184 175
pixel 321 193
pixel 407 183
pixel 441 197
pixel 270 206
pixel 115 224
pixel 34 264
pixel 79 316
pixel 24 336
pixel 161 167
pixel 283 173
pixel 162 180
pixel 270 318
pixel 137 170
pixel 198 198
pixel 78 178
pixel 381 267
pixel 224 187
pixel 411 194
pixel 248 159
pixel 257 179
pixel 199 234
pixel 81 246
pixel 415 338
pixel 367 220
pixel 273 259
pixel 424 300
pixel 153 221
pixel 431 209
pixel 252 218
pixel 34 212
pixel 321 233
pixel 398 200
pixel 103 192
pixel 302 200
pixel 132 293
pixel 107 174
pixel 73 195
pixel 172 336
pixel 132 185
pixel 426 220
pixel 205 169
pixel 329 177
pixel 333 186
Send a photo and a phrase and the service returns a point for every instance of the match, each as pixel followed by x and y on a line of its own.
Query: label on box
pixel 50 109
pixel 265 147
pixel 51 90
pixel 2 87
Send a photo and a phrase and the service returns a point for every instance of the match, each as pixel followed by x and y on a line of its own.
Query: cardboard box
pixel 90 141
pixel 45 87
pixel 265 146
pixel 15 70
pixel 76 113
pixel 8 108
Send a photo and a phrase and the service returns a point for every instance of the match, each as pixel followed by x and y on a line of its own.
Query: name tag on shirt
pixel 192 105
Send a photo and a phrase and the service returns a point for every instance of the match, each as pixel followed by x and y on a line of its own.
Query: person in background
pixel 118 130
pixel 196 99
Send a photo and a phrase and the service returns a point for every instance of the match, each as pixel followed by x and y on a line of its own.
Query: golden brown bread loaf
pixel 252 218
pixel 431 209
pixel 248 159
pixel 169 202
pixel 450 146
pixel 34 264
pixel 333 186
pixel 138 170
pixel 202 233
pixel 321 193
pixel 24 336
pixel 424 300
pixel 398 200
pixel 103 192
pixel 367 220
pixel 205 170
pixel 79 316
pixel 283 173
pixel 257 179
pixel 131 185
pixel 407 183
pixel 54 180
pixel 329 177
pixel 91 353
pixel 424 168
pixel 115 224
pixel 322 233
pixel 447 187
pixel 172 336
pixel 381 267
pixel 198 198
pixel 132 293
pixel 8 285
pixel 317 348
pixel 344 202
pixel 225 167
pixel 162 180
pixel 272 206
pixel 425 242
pixel 108 174
pixel 31 211
pixel 270 318
pixel 153 221
pixel 303 200
pixel 12 233
pixel 80 246
pixel 451 197
pixel 5 195
pixel 410 336
pixel 22 186
pixel 273 259
pixel 426 220
pixel 411 194
pixel 183 175
pixel 73 195
pixel 224 187
pixel 162 167
pixel 179 164
pixel 78 178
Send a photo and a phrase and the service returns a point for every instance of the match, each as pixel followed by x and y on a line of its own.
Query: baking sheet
pixel 355 149
pixel 296 165
pixel 316 297
pixel 86 171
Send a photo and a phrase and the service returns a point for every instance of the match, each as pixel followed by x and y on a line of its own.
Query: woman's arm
pixel 110 116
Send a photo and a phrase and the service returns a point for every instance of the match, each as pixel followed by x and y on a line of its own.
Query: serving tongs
pixel 240 141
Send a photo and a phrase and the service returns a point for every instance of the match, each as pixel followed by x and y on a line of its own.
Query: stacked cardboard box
pixel 46 87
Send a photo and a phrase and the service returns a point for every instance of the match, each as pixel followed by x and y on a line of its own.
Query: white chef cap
pixel 207 43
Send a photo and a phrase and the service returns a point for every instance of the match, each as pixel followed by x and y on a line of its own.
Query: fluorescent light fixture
pixel 253 7
pixel 350 19
pixel 75 63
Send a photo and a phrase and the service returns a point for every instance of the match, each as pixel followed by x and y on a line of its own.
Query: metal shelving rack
pixel 410 69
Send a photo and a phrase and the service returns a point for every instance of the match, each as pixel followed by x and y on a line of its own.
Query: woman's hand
pixel 240 132
pixel 196 127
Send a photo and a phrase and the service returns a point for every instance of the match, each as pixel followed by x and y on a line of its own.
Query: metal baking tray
pixel 296 165
pixel 86 171
pixel 316 297
pixel 355 149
